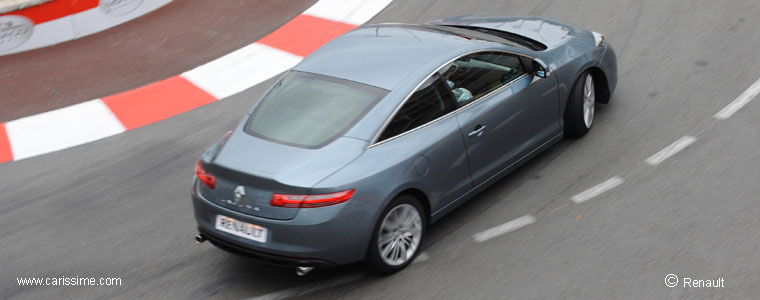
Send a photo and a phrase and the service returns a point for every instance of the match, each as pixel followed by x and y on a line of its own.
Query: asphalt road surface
pixel 120 207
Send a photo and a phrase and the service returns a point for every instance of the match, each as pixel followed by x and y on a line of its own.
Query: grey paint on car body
pixel 432 160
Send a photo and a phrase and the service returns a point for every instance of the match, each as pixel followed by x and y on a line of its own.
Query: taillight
pixel 205 177
pixel 305 201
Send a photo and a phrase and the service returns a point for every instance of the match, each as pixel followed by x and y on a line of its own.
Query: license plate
pixel 241 229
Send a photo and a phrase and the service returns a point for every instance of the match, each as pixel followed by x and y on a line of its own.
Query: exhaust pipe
pixel 303 270
pixel 199 238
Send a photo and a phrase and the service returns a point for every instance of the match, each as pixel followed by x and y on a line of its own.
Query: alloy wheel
pixel 399 235
pixel 589 100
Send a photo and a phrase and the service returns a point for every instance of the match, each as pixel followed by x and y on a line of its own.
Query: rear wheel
pixel 579 113
pixel 397 236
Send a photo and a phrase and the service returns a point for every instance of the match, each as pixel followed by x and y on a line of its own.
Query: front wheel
pixel 579 113
pixel 397 236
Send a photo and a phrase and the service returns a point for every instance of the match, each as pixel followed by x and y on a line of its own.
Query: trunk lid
pixel 249 170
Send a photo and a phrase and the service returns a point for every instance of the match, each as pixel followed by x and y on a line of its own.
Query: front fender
pixel 608 65
pixel 572 59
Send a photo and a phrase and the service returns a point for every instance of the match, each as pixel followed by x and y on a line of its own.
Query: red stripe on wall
pixel 78 6
pixel 156 102
pixel 54 10
pixel 304 34
pixel 5 146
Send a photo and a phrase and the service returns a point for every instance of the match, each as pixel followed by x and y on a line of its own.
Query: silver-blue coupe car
pixel 387 128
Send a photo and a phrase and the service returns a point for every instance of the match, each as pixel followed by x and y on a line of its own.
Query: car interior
pixel 430 101
pixel 479 74
pixel 467 79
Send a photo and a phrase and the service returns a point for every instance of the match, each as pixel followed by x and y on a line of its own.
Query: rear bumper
pixel 331 235
pixel 272 259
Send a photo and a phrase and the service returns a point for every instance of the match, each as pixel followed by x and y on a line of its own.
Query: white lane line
pixel 423 256
pixel 597 189
pixel 503 228
pixel 670 150
pixel 739 102
pixel 307 289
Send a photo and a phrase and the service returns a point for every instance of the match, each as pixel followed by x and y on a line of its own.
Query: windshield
pixel 310 110
pixel 508 38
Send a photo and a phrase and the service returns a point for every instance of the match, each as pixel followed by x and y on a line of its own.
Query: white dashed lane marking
pixel 739 102
pixel 597 190
pixel 503 228
pixel 670 150
pixel 523 221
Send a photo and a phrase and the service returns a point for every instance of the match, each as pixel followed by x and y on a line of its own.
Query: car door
pixel 509 114
pixel 425 133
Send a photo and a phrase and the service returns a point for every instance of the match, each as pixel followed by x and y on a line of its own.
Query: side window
pixel 476 75
pixel 431 101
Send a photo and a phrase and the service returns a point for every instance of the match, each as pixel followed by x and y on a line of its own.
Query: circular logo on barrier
pixel 14 31
pixel 119 7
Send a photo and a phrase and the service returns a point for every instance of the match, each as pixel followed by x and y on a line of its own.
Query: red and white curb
pixel 111 115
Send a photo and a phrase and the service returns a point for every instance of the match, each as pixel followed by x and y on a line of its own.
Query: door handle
pixel 478 131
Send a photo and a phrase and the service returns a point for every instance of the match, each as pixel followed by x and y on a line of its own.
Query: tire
pixel 385 264
pixel 579 113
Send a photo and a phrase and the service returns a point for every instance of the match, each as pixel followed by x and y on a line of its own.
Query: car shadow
pixel 252 278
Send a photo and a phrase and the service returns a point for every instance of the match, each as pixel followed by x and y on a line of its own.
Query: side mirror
pixel 540 69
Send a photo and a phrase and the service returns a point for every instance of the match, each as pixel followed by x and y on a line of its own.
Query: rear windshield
pixel 310 110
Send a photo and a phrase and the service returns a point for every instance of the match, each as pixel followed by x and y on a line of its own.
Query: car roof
pixel 383 55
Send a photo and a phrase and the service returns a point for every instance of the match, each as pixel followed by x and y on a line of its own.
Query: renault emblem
pixel 240 197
